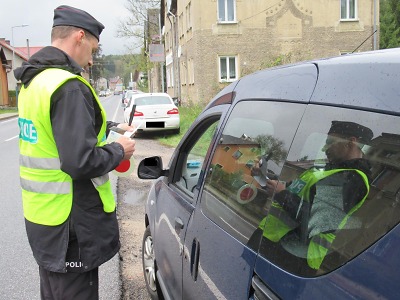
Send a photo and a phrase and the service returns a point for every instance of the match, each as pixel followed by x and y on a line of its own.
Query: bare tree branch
pixel 133 27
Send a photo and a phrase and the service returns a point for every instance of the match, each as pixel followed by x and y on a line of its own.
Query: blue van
pixel 287 186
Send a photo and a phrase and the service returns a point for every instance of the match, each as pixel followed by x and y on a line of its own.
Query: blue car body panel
pixel 360 278
pixel 226 267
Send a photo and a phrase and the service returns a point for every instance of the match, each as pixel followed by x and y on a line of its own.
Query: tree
pixel 389 24
pixel 137 22
pixel 97 70
pixel 272 146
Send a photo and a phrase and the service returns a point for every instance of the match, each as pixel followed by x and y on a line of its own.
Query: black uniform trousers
pixel 69 286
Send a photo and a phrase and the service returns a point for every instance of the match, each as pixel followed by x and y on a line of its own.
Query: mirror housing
pixel 151 168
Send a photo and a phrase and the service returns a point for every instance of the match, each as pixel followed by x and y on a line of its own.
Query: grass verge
pixel 187 114
pixel 8 110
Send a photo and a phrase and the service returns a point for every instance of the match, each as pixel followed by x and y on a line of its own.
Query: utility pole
pixel 13 57
pixel 161 63
pixel 178 63
pixel 175 55
pixel 374 29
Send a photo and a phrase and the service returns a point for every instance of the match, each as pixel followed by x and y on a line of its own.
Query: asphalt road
pixel 19 278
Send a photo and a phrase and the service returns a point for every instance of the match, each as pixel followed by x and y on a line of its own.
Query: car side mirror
pixel 151 168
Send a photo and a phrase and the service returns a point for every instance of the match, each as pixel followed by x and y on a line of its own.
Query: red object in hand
pixel 123 166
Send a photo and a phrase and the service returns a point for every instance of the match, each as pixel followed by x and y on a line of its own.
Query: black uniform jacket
pixel 90 236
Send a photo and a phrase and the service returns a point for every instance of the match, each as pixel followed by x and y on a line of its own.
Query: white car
pixel 153 112
pixel 127 95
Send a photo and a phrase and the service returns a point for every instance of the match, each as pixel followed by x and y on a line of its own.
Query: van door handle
pixel 194 259
pixel 178 225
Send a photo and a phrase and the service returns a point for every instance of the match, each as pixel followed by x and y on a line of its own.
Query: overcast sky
pixel 38 14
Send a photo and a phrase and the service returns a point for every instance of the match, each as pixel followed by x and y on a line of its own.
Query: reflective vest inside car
pixel 278 222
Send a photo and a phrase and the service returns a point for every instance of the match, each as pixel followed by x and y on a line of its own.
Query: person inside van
pixel 307 212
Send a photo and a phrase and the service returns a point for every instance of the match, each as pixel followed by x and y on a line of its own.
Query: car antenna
pixel 365 41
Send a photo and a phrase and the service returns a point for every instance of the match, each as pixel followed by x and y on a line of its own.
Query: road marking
pixel 14 137
pixel 117 108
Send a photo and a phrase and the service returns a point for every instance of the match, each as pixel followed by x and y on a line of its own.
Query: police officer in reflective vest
pixel 68 203
pixel 320 202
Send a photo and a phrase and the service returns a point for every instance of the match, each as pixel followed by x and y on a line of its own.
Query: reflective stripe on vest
pixel 318 249
pixel 100 180
pixel 46 189
pixel 277 223
pixel 39 162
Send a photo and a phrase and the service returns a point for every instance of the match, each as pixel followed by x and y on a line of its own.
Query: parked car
pixel 126 96
pixel 206 235
pixel 102 94
pixel 153 112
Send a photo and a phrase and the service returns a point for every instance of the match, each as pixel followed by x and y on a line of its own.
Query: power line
pixel 259 12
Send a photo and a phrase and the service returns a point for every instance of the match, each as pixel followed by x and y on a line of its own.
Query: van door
pixel 359 259
pixel 222 238
pixel 176 199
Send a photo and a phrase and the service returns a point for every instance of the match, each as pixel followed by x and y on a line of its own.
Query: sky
pixel 38 14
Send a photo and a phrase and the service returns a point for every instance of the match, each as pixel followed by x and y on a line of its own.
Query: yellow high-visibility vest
pixel 46 190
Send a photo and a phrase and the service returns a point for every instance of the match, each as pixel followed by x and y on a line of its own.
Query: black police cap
pixel 351 129
pixel 70 16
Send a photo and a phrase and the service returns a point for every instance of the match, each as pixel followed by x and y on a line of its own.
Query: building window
pixel 189 16
pixel 348 9
pixel 190 71
pixel 183 73
pixel 227 68
pixel 226 10
pixel 237 154
pixel 170 76
pixel 218 166
pixel 180 23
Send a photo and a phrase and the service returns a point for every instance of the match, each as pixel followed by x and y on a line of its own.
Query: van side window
pixel 233 195
pixel 341 192
pixel 193 160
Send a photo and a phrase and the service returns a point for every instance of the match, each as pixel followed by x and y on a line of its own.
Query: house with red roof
pixel 3 79
pixel 12 55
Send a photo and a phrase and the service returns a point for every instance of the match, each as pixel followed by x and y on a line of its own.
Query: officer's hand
pixel 128 145
pixel 126 127
pixel 275 185
pixel 255 171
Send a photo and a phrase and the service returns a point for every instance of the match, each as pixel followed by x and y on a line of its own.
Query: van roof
pixel 367 80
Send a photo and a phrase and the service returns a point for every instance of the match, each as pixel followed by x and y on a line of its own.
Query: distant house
pixel 29 51
pixel 19 58
pixel 3 79
pixel 102 84
pixel 237 155
pixel 115 81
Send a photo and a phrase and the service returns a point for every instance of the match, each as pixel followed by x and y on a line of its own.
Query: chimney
pixel 5 41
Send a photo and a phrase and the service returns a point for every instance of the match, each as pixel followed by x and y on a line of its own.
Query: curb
pixel 8 116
